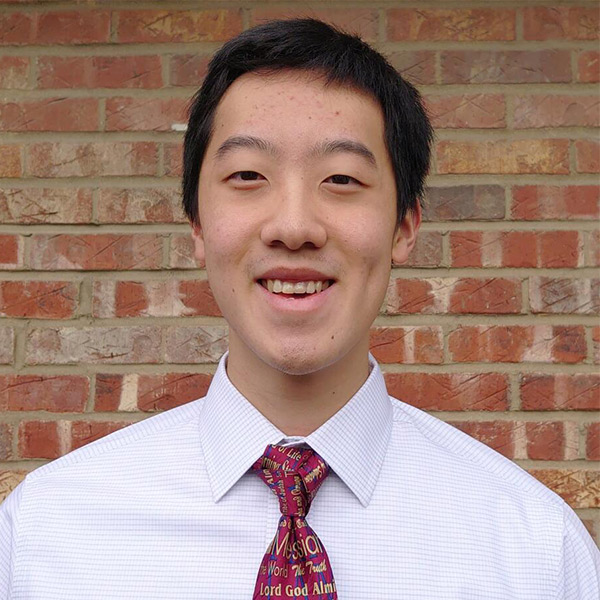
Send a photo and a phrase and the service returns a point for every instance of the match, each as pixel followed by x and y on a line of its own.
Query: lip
pixel 290 304
pixel 294 275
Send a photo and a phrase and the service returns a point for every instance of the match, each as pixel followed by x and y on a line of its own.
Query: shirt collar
pixel 234 434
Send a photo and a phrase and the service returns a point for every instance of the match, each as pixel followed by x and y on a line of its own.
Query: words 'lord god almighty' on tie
pixel 295 565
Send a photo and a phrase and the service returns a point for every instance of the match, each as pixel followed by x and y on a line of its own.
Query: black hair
pixel 343 59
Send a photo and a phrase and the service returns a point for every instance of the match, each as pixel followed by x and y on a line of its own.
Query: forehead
pixel 297 107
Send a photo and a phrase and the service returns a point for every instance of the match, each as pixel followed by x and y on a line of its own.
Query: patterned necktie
pixel 295 565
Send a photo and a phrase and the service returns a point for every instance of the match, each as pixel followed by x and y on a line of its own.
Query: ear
pixel 405 235
pixel 198 239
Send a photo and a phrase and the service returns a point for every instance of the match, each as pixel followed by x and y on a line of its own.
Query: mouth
pixel 296 289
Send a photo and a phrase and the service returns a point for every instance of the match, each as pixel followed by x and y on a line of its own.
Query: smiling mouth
pixel 295 288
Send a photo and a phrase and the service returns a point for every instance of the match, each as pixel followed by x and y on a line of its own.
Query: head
pixel 304 162
pixel 340 59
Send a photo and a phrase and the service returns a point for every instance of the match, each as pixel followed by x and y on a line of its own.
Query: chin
pixel 299 360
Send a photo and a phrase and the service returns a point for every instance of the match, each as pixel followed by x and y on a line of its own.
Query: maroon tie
pixel 295 566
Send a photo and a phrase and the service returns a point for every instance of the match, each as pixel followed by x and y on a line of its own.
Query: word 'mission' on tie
pixel 295 565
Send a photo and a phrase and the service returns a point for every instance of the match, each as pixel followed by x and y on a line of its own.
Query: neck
pixel 297 404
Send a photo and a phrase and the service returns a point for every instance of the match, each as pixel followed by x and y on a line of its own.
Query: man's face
pixel 297 192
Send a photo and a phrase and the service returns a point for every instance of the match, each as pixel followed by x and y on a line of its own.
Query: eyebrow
pixel 245 141
pixel 343 145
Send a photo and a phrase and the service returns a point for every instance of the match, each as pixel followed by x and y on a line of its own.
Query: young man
pixel 297 476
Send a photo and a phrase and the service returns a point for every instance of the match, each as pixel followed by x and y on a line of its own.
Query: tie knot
pixel 294 475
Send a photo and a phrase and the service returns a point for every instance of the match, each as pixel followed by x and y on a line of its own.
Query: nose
pixel 294 221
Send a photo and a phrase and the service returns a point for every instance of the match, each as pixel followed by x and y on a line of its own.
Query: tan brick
pixel 53 393
pixel 407 345
pixel 38 299
pixel 152 26
pixel 416 66
pixel 450 391
pixel 144 114
pixel 564 295
pixel 195 345
pixel 140 205
pixel 93 345
pixel 593 242
pixel 485 111
pixel 182 252
pixel 51 114
pixel 173 153
pixel 579 488
pixel 7 345
pixel 504 156
pixel 506 66
pixel 549 110
pixel 14 72
pixel 460 25
pixel 588 66
pixel 540 202
pixel 588 156
pixel 6 435
pixel 560 23
pixel 9 480
pixel 464 203
pixel 10 160
pixel 561 391
pixel 595 344
pixel 91 72
pixel 102 159
pixel 96 251
pixel 45 205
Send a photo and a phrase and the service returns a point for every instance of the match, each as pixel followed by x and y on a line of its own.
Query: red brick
pixel 38 299
pixel 540 391
pixel 593 259
pixel 546 441
pixel 588 66
pixel 16 28
pixel 498 435
pixel 7 345
pixel 96 251
pixel 579 488
pixel 454 296
pixel 50 114
pixel 85 432
pixel 171 298
pixel 595 354
pixel 518 343
pixel 486 111
pixel 148 392
pixel 560 23
pixel 103 159
pixel 151 26
pixel 45 205
pixel 140 205
pixel 181 254
pixel 73 27
pixel 53 393
pixel 354 20
pixel 588 156
pixel 551 249
pixel 144 114
pixel 188 69
pixel 459 25
pixel 93 345
pixel 540 202
pixel 450 391
pixel 427 251
pixel 93 72
pixel 416 66
pixel 173 158
pixel 39 439
pixel 163 392
pixel 464 203
pixel 6 435
pixel 564 295
pixel 592 442
pixel 10 251
pixel 202 344
pixel 506 66
pixel 10 160
pixel 504 156
pixel 14 72
pixel 407 345
pixel 551 110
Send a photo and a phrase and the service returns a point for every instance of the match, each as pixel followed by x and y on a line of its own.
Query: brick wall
pixel 492 327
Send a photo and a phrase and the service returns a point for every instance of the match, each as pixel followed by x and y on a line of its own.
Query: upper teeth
pixel 295 287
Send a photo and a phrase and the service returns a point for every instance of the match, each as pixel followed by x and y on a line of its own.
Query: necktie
pixel 295 565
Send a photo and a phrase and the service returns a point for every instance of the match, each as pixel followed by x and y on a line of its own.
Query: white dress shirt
pixel 167 509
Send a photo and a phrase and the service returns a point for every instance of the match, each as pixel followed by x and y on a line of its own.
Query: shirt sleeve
pixel 579 577
pixel 8 539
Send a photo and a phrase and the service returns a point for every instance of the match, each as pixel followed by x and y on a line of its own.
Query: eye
pixel 246 176
pixel 342 180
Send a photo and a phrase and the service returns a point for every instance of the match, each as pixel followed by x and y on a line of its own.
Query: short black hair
pixel 343 59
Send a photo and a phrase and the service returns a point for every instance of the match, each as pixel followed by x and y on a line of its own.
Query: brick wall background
pixel 493 326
